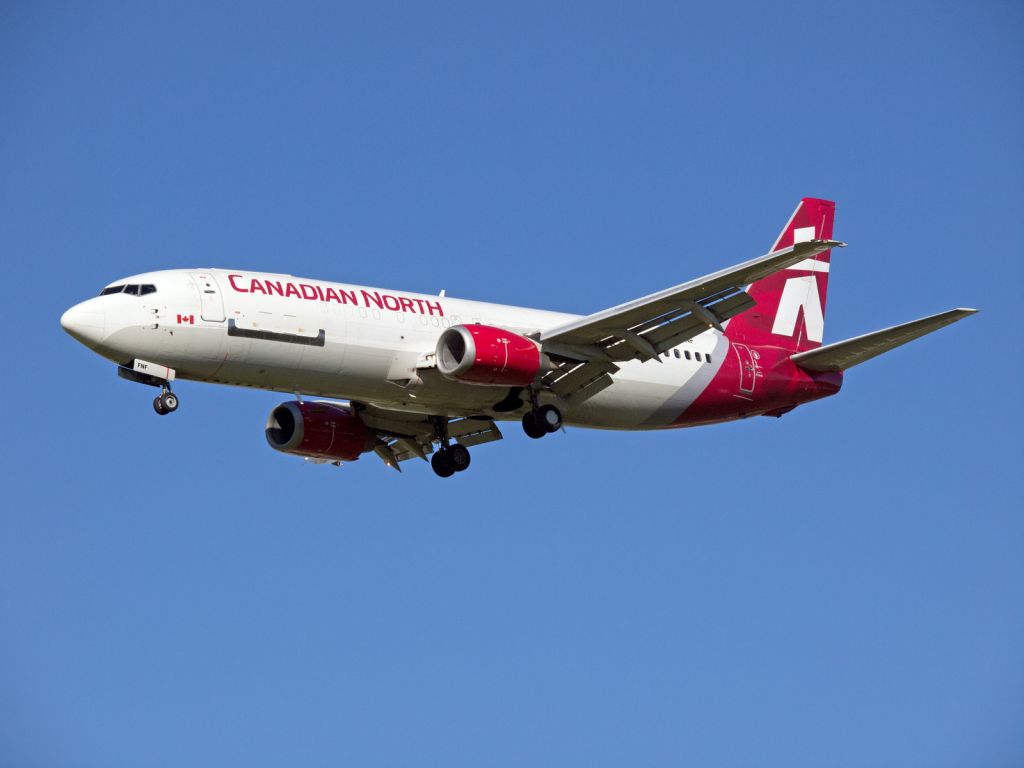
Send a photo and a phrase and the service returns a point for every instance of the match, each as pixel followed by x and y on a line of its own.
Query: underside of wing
pixel 402 435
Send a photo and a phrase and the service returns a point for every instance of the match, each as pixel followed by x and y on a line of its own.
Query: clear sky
pixel 840 587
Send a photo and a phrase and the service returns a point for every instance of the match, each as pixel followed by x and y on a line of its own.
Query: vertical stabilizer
pixel 790 311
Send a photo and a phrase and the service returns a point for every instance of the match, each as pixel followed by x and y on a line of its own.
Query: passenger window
pixel 707 358
pixel 687 353
pixel 111 289
pixel 132 290
pixel 697 355
pixel 676 351
pixel 146 289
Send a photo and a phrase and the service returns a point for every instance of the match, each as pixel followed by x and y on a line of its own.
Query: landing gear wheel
pixel 459 457
pixel 532 425
pixel 550 418
pixel 442 464
pixel 169 402
pixel 158 406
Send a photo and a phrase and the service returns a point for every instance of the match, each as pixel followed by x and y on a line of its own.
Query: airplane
pixel 406 375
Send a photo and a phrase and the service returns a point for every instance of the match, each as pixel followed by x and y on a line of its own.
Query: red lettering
pixel 347 297
pixel 291 290
pixel 432 305
pixel 273 288
pixel 257 287
pixel 406 304
pixel 374 297
pixel 388 301
pixel 319 292
pixel 332 295
pixel 231 279
pixel 307 290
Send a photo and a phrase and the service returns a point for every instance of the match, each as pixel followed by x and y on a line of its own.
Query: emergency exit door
pixel 210 298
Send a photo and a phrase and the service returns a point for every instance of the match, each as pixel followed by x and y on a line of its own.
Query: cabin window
pixel 697 356
pixel 132 290
pixel 147 289
pixel 111 289
pixel 676 351
pixel 687 353
pixel 707 358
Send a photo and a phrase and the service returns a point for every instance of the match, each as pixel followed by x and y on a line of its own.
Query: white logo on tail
pixel 803 234
pixel 800 292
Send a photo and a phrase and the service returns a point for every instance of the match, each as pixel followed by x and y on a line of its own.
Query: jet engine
pixel 483 354
pixel 318 431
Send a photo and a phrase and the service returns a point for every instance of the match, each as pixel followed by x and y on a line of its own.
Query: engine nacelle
pixel 483 354
pixel 318 431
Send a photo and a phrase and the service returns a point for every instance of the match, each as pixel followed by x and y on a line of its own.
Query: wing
pixel 401 435
pixel 845 354
pixel 645 327
pixel 590 347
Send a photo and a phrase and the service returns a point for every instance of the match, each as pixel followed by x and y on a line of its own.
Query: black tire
pixel 459 457
pixel 441 462
pixel 169 401
pixel 550 418
pixel 532 427
pixel 158 406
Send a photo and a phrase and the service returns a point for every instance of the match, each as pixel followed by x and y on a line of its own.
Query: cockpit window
pixel 131 290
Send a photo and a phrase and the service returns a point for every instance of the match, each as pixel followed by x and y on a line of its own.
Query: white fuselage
pixel 322 339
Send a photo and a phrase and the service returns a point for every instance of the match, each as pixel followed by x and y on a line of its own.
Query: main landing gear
pixel 166 402
pixel 447 461
pixel 542 421
pixel 449 458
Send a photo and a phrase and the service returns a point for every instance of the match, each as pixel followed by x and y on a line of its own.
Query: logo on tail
pixel 790 310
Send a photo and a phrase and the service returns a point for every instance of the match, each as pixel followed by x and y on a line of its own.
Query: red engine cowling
pixel 318 431
pixel 483 354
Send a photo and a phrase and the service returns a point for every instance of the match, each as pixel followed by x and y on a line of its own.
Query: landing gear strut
pixel 166 402
pixel 542 419
pixel 448 459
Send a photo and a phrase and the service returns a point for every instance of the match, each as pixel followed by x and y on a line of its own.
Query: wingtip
pixel 967 310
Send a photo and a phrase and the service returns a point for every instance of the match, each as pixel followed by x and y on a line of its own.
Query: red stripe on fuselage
pixel 754 383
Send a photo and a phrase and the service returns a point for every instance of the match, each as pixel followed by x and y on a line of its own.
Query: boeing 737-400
pixel 404 375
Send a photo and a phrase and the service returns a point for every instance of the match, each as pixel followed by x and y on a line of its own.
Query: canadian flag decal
pixel 186 320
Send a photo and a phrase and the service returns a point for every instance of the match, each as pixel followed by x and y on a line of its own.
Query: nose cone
pixel 85 322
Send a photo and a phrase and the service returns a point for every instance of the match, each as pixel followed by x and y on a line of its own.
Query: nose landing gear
pixel 152 375
pixel 166 402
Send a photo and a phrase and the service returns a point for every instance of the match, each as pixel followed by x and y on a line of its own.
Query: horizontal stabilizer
pixel 845 354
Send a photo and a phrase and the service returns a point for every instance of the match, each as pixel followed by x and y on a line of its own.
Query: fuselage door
pixel 748 368
pixel 210 298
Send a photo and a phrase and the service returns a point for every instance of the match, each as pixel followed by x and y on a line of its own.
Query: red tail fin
pixel 790 311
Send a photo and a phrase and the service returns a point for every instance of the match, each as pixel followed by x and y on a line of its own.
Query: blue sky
pixel 843 586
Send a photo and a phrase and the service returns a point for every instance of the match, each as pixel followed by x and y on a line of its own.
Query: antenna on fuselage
pixel 441 294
